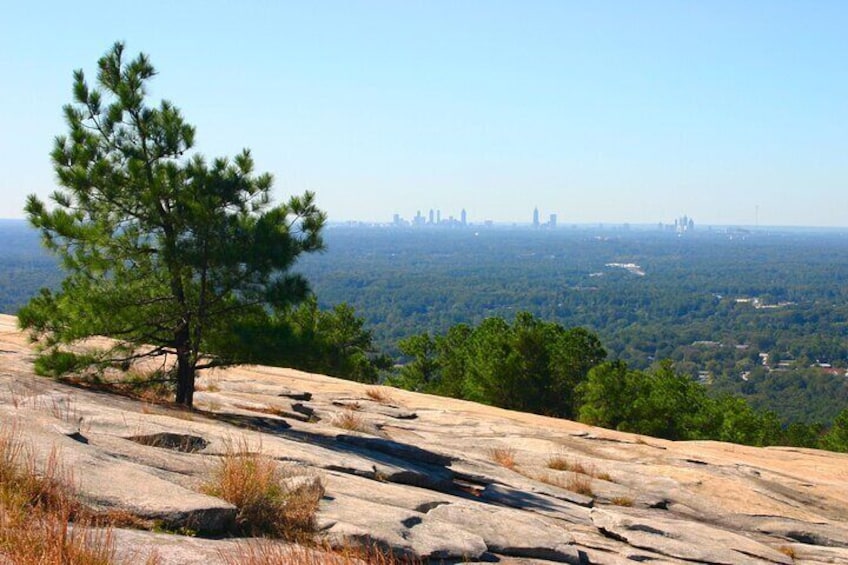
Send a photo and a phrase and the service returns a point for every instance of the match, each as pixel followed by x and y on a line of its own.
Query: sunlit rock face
pixel 427 477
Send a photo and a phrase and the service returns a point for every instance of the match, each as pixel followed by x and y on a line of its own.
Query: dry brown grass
pixel 559 463
pixel 622 501
pixel 256 485
pixel 379 394
pixel 788 551
pixel 579 483
pixel 267 552
pixel 41 522
pixel 575 482
pixel 348 419
pixel 503 456
pixel 582 469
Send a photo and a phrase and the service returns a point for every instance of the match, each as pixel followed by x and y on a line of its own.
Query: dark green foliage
pixel 529 365
pixel 56 363
pixel 737 422
pixel 836 439
pixel 331 342
pixel 159 247
pixel 802 435
pixel 667 404
pixel 422 373
pixel 541 367
pixel 660 403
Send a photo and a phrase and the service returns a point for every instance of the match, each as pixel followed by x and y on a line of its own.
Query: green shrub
pixel 56 363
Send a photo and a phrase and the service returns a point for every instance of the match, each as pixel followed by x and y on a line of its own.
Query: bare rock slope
pixel 430 477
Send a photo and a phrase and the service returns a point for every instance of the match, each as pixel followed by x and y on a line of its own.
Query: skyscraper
pixel 536 217
pixel 463 217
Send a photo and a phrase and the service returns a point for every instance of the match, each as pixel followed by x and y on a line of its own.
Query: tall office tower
pixel 431 215
pixel 463 217
pixel 535 217
pixel 396 219
pixel 552 221
pixel 438 216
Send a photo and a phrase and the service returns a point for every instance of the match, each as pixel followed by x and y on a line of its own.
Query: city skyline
pixel 608 113
pixel 433 218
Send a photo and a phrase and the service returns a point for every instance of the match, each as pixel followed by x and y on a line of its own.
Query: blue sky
pixel 597 111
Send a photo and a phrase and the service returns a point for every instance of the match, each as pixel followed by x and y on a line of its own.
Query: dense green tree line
pixel 331 342
pixel 529 365
pixel 537 366
pixel 664 403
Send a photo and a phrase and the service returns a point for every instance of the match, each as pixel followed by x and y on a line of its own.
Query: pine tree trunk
pixel 185 379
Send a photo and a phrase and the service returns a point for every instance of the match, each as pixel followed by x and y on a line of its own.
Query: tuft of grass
pixel 350 420
pixel 379 394
pixel 503 456
pixel 579 483
pixel 581 469
pixel 622 501
pixel 788 551
pixel 41 520
pixel 268 552
pixel 575 482
pixel 559 463
pixel 265 504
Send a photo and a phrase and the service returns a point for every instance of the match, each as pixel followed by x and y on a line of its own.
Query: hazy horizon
pixel 611 112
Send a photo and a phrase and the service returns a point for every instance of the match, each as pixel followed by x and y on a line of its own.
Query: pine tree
pixel 163 251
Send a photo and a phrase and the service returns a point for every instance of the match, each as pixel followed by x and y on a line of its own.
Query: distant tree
pixel 608 395
pixel 529 365
pixel 453 361
pixel 332 342
pixel 420 372
pixel 740 423
pixel 163 251
pixel 836 438
pixel 664 403
pixel 798 434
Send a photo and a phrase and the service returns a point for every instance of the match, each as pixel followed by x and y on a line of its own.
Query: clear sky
pixel 608 111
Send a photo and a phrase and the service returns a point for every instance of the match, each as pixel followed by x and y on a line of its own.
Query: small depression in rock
pixel 177 442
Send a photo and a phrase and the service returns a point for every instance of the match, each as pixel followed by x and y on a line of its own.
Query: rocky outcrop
pixel 684 540
pixel 427 477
